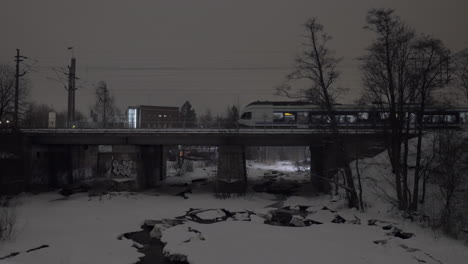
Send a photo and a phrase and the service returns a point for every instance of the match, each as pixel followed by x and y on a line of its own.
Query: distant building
pixel 149 116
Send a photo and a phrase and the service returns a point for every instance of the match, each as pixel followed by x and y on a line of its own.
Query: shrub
pixel 7 219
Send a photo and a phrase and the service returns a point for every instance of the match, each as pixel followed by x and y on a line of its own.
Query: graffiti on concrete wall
pixel 124 168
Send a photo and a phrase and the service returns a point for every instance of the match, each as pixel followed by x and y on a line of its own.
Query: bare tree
pixel 386 79
pixel 104 110
pixel 7 92
pixel 461 74
pixel 317 65
pixel 450 175
pixel 429 56
pixel 37 115
pixel 206 120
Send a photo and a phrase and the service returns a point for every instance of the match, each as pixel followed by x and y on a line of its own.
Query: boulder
pixel 164 224
pixel 338 220
pixel 257 219
pixel 157 230
pixel 282 218
pixel 403 235
pixel 151 223
pixel 241 216
pixel 297 221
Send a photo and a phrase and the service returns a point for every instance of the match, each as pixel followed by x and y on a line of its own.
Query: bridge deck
pixel 195 136
pixel 278 131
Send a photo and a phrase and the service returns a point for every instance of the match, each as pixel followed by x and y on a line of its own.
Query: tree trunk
pixel 414 204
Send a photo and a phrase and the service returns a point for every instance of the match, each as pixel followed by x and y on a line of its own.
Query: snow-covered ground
pixel 79 230
pixel 286 170
pixel 87 230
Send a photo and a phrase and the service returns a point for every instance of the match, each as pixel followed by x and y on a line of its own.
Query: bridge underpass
pixel 61 157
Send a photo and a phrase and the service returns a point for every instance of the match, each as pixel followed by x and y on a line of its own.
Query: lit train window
pixel 450 119
pixel 412 117
pixel 341 118
pixel 289 116
pixel 384 115
pixel 351 118
pixel 277 116
pixel 363 116
pixel 464 117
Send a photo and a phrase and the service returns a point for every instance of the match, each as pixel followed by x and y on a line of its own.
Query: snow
pixel 87 230
pixel 211 214
pixel 253 242
pixel 285 170
pixel 80 230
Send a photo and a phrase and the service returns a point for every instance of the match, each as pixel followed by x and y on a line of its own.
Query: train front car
pixel 257 114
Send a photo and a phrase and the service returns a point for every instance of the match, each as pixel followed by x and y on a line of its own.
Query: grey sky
pixel 211 52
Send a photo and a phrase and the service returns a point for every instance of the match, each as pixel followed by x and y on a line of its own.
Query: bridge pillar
pixel 153 169
pixel 232 171
pixel 14 162
pixel 321 159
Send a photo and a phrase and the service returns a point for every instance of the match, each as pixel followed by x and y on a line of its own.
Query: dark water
pixel 153 248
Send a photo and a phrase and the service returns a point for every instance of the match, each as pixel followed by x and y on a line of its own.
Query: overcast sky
pixel 211 52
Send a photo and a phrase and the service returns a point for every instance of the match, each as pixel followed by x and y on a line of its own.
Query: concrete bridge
pixel 58 157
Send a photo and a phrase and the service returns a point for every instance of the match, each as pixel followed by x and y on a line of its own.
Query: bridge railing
pixel 206 127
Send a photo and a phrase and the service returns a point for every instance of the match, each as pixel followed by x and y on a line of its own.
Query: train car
pixel 269 114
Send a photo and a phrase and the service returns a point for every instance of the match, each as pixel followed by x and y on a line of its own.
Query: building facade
pixel 149 116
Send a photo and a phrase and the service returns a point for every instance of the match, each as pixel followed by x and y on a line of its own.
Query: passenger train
pixel 306 115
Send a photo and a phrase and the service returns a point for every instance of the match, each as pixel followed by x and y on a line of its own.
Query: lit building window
pixel 132 118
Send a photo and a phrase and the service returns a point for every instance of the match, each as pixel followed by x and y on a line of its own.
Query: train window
pixel 437 118
pixel 412 117
pixel 450 119
pixel 384 115
pixel 427 119
pixel 363 116
pixel 302 117
pixel 277 116
pixel 464 117
pixel 316 118
pixel 246 115
pixel 351 119
pixel 289 117
pixel 341 118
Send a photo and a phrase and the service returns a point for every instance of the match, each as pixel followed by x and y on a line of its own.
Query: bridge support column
pixel 320 159
pixel 153 169
pixel 232 171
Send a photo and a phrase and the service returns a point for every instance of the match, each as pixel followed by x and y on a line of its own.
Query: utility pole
pixel 71 92
pixel 104 108
pixel 18 59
